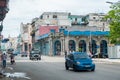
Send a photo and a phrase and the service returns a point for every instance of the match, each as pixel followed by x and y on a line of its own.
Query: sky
pixel 23 11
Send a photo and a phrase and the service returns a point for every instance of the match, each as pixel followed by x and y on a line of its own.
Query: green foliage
pixel 79 49
pixel 114 19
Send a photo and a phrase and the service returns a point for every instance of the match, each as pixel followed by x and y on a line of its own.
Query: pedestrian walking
pixel 3 58
pixel 12 60
pixel 65 53
pixel 0 58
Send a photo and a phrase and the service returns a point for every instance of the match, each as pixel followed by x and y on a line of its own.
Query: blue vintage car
pixel 79 61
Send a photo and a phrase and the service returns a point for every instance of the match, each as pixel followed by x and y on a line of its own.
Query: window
pixel 48 16
pixel 103 24
pixel 41 17
pixel 75 19
pixel 66 27
pixel 54 16
pixel 94 17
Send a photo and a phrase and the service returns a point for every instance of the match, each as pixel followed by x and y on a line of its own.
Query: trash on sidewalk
pixel 1 73
pixel 16 75
pixel 12 75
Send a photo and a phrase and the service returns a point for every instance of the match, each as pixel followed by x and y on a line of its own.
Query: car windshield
pixel 35 51
pixel 81 56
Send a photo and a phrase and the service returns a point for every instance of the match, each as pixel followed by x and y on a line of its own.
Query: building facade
pixel 58 32
pixel 26 43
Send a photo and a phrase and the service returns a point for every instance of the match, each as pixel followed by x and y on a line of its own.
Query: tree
pixel 113 17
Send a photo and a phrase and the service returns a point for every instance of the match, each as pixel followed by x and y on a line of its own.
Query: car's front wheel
pixel 74 68
pixel 39 58
pixel 93 69
pixel 66 66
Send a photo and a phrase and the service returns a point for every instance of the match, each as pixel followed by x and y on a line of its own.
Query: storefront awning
pixel 41 37
pixel 88 33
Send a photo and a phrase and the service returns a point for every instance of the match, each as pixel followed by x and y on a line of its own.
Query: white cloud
pixel 25 10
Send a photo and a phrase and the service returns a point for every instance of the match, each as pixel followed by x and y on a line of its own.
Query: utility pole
pixel 90 44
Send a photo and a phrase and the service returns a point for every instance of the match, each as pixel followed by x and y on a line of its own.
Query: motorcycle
pixel 12 61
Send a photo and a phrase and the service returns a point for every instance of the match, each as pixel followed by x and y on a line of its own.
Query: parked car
pixel 24 54
pixel 35 54
pixel 16 53
pixel 79 61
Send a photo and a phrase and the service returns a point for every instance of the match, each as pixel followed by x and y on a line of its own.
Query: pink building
pixel 46 29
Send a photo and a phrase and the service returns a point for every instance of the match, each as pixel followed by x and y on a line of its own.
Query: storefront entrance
pixel 103 49
pixel 72 45
pixel 57 48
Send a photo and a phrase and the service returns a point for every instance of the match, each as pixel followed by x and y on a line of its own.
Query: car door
pixel 71 60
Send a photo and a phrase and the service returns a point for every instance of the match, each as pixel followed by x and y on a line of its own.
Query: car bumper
pixel 85 67
pixel 32 57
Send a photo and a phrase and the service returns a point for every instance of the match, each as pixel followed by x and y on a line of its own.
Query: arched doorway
pixel 103 48
pixel 82 46
pixel 93 47
pixel 57 48
pixel 72 45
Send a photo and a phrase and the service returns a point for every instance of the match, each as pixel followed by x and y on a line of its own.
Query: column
pixel 51 47
pixel 98 47
pixel 67 44
pixel 77 42
pixel 62 47
pixel 87 46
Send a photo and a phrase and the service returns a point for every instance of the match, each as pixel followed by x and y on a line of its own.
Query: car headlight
pixel 78 63
pixel 93 62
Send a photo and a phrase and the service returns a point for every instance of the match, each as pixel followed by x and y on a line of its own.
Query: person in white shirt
pixel 3 58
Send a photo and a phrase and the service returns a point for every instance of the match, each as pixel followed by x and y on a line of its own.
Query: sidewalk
pixel 53 58
pixel 62 59
pixel 106 60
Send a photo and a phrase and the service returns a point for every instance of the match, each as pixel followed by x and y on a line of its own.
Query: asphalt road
pixel 51 70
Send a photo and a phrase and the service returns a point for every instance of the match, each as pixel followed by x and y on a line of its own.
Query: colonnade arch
pixel 103 48
pixel 82 45
pixel 72 45
pixel 93 47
